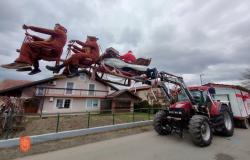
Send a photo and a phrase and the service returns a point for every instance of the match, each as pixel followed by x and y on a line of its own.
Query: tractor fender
pixel 226 105
pixel 216 108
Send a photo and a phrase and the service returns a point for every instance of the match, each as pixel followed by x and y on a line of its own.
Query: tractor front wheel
pixel 161 125
pixel 200 130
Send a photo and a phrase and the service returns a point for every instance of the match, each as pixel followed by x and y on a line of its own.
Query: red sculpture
pixel 128 57
pixel 85 56
pixel 37 48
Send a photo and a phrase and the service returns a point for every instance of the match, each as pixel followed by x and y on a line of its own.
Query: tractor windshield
pixel 182 96
pixel 197 95
pixel 204 97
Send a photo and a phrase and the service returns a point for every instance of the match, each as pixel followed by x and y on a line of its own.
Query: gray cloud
pixel 188 38
pixel 130 36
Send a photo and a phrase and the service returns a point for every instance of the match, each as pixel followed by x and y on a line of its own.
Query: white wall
pixel 77 105
pixel 79 83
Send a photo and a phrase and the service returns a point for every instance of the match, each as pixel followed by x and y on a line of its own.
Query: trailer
pixel 237 98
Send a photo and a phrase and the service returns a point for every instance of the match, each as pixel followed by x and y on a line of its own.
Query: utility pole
pixel 201 78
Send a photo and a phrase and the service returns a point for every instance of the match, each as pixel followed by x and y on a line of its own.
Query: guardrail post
pixel 7 133
pixel 88 118
pixel 113 115
pixel 149 113
pixel 57 123
pixel 133 116
pixel 9 123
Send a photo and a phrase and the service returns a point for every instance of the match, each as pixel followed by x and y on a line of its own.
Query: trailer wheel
pixel 227 128
pixel 200 130
pixel 245 123
pixel 161 125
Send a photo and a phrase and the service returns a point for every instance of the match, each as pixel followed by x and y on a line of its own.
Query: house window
pixel 52 83
pixel 95 103
pixel 40 91
pixel 63 103
pixel 82 76
pixel 91 89
pixel 67 103
pixel 89 103
pixel 59 103
pixel 92 103
pixel 69 87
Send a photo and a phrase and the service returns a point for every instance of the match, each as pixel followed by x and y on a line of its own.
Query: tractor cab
pixel 201 95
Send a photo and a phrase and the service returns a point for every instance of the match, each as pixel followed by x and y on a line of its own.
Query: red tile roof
pixel 9 83
pixel 34 83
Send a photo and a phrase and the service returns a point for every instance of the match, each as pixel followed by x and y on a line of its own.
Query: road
pixel 150 146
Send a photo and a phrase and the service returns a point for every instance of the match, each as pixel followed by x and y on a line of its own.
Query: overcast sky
pixel 186 37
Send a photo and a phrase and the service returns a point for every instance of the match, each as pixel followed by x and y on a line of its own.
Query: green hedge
pixel 145 107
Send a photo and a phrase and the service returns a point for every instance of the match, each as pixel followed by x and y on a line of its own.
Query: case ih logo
pixel 244 97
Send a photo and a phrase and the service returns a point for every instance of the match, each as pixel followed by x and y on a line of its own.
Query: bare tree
pixel 246 76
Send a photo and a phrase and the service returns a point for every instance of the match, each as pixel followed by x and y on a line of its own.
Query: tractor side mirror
pixel 211 90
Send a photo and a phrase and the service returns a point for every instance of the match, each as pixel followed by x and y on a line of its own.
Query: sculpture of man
pixel 39 48
pixel 85 56
pixel 128 57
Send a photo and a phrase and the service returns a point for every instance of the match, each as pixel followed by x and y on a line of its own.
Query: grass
pixel 37 125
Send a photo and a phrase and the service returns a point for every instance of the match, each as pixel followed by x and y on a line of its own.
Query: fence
pixel 35 124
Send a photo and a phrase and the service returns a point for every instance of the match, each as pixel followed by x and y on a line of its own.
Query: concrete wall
pixel 72 133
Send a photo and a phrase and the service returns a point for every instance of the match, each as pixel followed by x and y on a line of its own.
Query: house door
pixel 122 106
pixel 31 105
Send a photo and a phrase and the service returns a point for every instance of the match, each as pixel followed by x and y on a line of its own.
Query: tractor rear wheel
pixel 227 128
pixel 200 130
pixel 245 123
pixel 160 123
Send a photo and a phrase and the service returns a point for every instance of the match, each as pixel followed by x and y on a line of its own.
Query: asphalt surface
pixel 150 146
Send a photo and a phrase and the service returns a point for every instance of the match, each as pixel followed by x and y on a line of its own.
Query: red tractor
pixel 196 110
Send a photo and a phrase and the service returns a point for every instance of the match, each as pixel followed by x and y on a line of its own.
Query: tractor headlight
pixel 175 112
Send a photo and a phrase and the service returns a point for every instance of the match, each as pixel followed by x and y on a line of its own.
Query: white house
pixel 57 95
pixel 75 94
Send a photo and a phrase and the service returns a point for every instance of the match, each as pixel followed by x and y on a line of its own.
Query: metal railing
pixel 50 91
pixel 35 124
